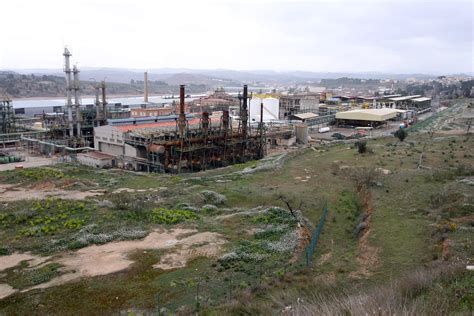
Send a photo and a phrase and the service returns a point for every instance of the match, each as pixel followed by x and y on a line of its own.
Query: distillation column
pixel 67 70
pixel 77 103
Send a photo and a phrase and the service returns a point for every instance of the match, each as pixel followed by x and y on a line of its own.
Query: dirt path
pixel 6 290
pixel 367 255
pixel 15 259
pixel 95 260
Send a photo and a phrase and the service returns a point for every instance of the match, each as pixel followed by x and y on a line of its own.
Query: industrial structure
pixel 73 126
pixel 212 131
pixel 199 143
pixel 298 103
pixel 366 117
pixel 7 117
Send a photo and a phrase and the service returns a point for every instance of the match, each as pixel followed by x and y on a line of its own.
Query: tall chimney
pixel 104 100
pixel 181 99
pixel 181 116
pixel 145 98
pixel 244 113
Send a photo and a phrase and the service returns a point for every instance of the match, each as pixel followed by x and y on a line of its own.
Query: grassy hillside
pixel 18 86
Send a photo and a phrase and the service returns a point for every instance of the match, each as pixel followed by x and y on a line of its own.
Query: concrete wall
pixel 94 162
pixel 109 140
pixel 310 104
pixel 130 151
pixel 111 149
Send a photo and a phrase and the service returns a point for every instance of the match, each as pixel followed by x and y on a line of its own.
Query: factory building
pixel 110 139
pixel 366 117
pixel 154 111
pixel 271 108
pixel 96 159
pixel 409 102
pixel 220 100
pixel 298 103
pixel 304 117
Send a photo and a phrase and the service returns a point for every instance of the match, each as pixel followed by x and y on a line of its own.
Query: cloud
pixel 402 36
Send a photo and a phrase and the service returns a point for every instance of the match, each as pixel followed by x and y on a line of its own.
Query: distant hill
pixel 216 77
pixel 17 85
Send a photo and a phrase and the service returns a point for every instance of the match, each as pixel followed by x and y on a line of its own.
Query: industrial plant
pixel 191 133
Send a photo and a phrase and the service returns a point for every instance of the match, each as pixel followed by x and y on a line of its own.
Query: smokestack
pixel 181 116
pixel 104 100
pixel 181 99
pixel 244 114
pixel 145 98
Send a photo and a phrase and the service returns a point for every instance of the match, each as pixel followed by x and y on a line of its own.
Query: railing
pixel 315 237
pixel 321 120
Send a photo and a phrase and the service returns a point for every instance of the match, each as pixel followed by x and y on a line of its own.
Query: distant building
pixel 416 102
pixel 368 117
pixel 142 112
pixel 298 103
pixel 304 117
pixel 217 101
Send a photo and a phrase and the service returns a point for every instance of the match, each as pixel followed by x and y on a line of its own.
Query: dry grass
pixel 402 297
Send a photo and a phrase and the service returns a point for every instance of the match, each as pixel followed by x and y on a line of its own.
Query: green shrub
pixel 275 215
pixel 350 204
pixel 401 134
pixel 41 173
pixel 28 278
pixel 165 216
pixel 47 217
pixel 361 146
pixel 74 223
pixel 4 251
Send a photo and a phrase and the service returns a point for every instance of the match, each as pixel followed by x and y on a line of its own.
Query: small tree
pixel 401 134
pixel 361 146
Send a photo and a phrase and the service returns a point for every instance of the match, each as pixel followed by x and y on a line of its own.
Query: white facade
pixel 271 108
pixel 96 160
pixel 110 140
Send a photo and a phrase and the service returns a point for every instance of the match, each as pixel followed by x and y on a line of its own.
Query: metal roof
pixel 407 97
pixel 305 116
pixel 375 115
pixel 422 99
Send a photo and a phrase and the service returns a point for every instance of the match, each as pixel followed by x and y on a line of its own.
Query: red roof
pixel 131 127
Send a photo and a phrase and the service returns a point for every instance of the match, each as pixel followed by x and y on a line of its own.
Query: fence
pixel 315 237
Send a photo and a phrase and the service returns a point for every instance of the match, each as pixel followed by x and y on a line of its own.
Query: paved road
pixel 29 163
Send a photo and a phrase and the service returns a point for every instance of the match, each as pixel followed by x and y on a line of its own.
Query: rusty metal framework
pixel 206 145
pixel 7 117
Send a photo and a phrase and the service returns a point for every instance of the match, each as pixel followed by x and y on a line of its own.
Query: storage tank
pixel 301 132
pixel 271 108
pixel 324 129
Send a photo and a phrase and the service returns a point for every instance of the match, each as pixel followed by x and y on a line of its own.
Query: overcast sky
pixel 350 36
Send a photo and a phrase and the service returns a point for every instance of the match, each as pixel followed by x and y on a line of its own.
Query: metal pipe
pixel 56 145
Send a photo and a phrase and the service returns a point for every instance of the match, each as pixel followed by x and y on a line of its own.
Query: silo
pixel 301 132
